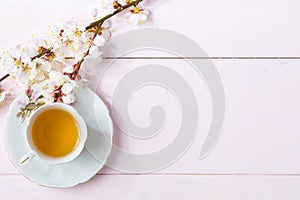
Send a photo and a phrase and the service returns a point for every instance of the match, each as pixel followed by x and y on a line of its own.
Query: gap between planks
pixel 178 174
pixel 204 58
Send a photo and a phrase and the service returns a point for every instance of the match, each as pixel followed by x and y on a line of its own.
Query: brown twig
pixel 42 53
pixel 98 24
pixel 4 77
pixel 34 57
pixel 120 9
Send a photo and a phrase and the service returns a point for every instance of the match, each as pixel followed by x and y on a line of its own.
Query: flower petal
pixel 68 99
pixel 40 76
pixel 67 88
pixel 46 67
pixel 94 52
pixel 99 41
pixel 106 24
pixel 106 34
pixel 146 12
pixel 94 12
pixel 68 69
pixel 17 51
pixel 53 75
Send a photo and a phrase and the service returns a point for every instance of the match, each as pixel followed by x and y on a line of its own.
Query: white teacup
pixel 36 152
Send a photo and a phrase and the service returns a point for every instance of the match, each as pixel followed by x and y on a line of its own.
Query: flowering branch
pixel 98 24
pixel 42 53
pixel 53 74
pixel 119 7
pixel 4 77
pixel 32 59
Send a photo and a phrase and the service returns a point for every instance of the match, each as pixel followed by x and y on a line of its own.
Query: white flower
pixel 18 64
pixel 68 69
pixel 137 16
pixel 67 41
pixel 68 99
pixel 45 86
pixel 94 53
pixel 92 60
pixel 87 36
pixel 106 7
pixel 67 88
pixel 56 78
pixel 93 12
pixel 99 41
pixel 105 32
pixel 44 66
pixel 90 64
pixel 40 42
pixel 36 45
pixel 106 24
pixel 42 69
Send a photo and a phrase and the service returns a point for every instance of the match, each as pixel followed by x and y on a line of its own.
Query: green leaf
pixel 19 114
pixel 30 106
pixel 39 104
pixel 39 97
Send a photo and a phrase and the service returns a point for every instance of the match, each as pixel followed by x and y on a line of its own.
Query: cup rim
pixel 82 133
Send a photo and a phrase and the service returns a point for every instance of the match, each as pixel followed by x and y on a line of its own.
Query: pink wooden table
pixel 255 47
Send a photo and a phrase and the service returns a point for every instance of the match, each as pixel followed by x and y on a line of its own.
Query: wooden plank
pixel 160 187
pixel 260 135
pixel 222 28
pixel 260 132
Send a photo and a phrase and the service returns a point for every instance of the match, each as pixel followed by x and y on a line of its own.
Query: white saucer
pixel 79 170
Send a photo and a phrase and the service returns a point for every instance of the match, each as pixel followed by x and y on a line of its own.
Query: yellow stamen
pixel 77 33
pixel 136 10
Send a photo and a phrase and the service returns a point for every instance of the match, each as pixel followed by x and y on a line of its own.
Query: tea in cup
pixel 55 133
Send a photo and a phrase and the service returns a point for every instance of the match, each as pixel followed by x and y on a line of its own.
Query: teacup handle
pixel 27 157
